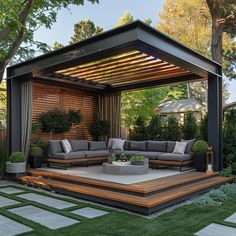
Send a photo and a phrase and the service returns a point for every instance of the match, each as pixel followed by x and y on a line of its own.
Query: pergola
pixel 130 57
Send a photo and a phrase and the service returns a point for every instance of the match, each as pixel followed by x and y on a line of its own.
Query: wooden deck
pixel 144 197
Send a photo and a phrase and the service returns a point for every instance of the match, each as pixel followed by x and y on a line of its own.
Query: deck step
pixel 144 188
pixel 144 205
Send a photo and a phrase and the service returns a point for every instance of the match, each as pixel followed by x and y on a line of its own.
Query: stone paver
pixel 45 218
pixel 4 202
pixel 10 190
pixel 89 212
pixel 10 227
pixel 217 230
pixel 231 219
pixel 48 201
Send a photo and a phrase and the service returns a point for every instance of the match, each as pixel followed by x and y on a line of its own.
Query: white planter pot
pixel 14 168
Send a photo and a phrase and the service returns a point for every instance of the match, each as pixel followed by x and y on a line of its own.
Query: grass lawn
pixel 184 220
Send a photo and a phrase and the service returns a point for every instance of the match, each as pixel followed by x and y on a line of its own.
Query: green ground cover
pixel 183 221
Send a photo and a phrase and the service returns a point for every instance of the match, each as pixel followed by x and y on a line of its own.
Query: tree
pixel 203 128
pixel 171 130
pixel 125 19
pixel 57 45
pixel 189 127
pixel 189 22
pixel 85 29
pixel 223 19
pixel 19 20
pixel 154 128
pixel 138 133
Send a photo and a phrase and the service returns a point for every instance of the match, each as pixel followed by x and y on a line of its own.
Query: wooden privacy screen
pixel 46 97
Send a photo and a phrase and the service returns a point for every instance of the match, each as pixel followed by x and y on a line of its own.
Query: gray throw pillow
pixel 55 147
pixel 138 145
pixel 79 145
pixel 189 145
pixel 170 146
pixel 97 145
pixel 157 146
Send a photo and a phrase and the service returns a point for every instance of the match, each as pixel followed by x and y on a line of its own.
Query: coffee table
pixel 126 169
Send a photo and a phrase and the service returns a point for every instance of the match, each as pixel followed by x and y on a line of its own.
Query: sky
pixel 106 15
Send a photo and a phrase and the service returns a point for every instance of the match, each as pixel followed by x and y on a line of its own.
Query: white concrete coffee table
pixel 126 169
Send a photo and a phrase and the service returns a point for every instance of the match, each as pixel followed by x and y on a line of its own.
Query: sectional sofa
pixel 158 152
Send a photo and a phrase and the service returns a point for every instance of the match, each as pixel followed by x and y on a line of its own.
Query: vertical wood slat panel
pixel 47 97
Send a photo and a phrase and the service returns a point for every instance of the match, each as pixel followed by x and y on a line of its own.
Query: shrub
pixel 137 158
pixel 75 116
pixel 38 142
pixel 190 127
pixel 229 189
pixel 218 195
pixel 205 202
pixel 203 128
pixel 17 157
pixel 139 131
pixel 171 130
pixel 226 171
pixel 200 147
pixel 55 120
pixel 154 128
pixel 36 128
pixel 3 157
pixel 36 152
pixel 100 129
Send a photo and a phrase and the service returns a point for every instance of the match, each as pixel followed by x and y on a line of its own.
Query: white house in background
pixel 179 108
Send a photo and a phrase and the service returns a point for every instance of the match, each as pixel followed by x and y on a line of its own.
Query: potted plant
pixel 16 164
pixel 199 151
pixel 111 158
pixel 36 157
pixel 137 160
pixel 100 129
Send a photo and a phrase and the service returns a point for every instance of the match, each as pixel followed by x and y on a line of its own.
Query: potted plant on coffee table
pixel 199 151
pixel 16 164
pixel 137 160
pixel 36 157
pixel 111 158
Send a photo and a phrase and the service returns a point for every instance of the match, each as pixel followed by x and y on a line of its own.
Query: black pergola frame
pixel 134 36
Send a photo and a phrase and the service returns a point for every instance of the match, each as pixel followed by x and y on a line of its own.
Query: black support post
pixel 215 117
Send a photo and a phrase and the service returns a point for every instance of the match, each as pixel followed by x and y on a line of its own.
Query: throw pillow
pixel 189 145
pixel 110 141
pixel 118 144
pixel 66 145
pixel 180 147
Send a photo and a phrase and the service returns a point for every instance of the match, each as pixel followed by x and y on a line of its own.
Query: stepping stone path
pixel 4 202
pixel 231 219
pixel 10 190
pixel 47 201
pixel 10 227
pixel 89 212
pixel 45 218
pixel 217 230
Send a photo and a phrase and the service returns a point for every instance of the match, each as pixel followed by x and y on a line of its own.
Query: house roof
pixel 230 105
pixel 183 105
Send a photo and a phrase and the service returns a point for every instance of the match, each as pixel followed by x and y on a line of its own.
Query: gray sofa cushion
pixel 97 145
pixel 130 153
pixel 69 156
pixel 126 145
pixel 55 147
pixel 98 153
pixel 189 145
pixel 170 146
pixel 174 157
pixel 157 146
pixel 150 155
pixel 79 145
pixel 138 145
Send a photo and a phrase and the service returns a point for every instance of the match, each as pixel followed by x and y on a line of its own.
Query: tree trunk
pixel 216 47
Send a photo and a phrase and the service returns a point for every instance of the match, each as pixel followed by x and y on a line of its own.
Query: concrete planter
pixel 15 168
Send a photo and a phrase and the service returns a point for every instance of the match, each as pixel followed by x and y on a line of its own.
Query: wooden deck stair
pixel 144 197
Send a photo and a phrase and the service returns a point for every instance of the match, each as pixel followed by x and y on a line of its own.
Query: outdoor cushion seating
pixel 157 146
pixel 79 145
pixel 97 153
pixel 174 157
pixel 138 145
pixel 150 155
pixel 70 155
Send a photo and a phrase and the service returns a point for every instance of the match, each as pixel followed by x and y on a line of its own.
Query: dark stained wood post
pixel 215 117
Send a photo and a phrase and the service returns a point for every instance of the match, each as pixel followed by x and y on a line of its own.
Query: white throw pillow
pixel 110 142
pixel 180 147
pixel 66 146
pixel 118 144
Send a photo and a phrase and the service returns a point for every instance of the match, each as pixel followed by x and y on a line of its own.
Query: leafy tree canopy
pixel 19 20
pixel 125 19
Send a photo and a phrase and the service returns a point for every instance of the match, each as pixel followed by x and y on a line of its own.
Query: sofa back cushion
pixel 170 146
pixel 190 143
pixel 97 145
pixel 157 146
pixel 55 147
pixel 138 145
pixel 127 145
pixel 79 145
